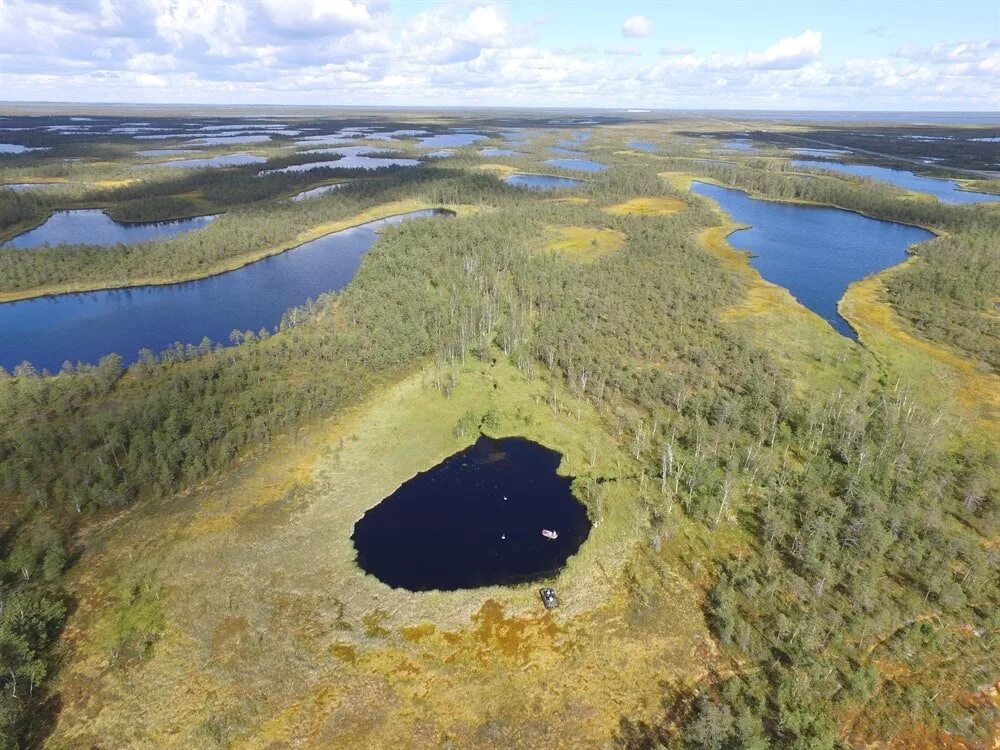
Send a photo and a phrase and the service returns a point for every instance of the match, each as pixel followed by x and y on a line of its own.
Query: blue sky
pixel 725 55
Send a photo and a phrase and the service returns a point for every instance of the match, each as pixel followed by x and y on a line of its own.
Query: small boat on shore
pixel 550 534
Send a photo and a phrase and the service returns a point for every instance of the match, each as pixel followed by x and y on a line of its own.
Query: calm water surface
pixel 946 191
pixel 85 327
pixel 814 252
pixel 580 165
pixel 475 520
pixel 225 160
pixel 92 226
pixel 542 182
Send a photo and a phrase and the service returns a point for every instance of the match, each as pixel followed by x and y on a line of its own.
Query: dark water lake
pixel 542 182
pixel 580 165
pixel 475 520
pixel 946 191
pixel 85 327
pixel 814 252
pixel 318 191
pixel 94 227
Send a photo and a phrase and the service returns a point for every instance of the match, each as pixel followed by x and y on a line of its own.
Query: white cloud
pixel 788 53
pixel 637 26
pixel 317 17
pixel 452 52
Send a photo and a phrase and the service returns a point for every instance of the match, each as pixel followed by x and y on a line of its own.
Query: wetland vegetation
pixel 790 535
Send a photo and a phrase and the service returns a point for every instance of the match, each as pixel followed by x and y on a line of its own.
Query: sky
pixel 789 54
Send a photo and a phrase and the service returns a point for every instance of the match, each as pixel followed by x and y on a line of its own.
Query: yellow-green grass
pixel 947 378
pixel 270 636
pixel 659 205
pixel 230 264
pixel 584 243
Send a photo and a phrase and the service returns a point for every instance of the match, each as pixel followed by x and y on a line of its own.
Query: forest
pixel 849 527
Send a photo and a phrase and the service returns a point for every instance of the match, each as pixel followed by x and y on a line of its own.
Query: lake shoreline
pixel 398 209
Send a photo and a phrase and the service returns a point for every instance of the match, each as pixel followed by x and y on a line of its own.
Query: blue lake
pixel 475 519
pixel 814 252
pixel 91 226
pixel 946 191
pixel 580 165
pixel 85 327
pixel 739 146
pixel 542 182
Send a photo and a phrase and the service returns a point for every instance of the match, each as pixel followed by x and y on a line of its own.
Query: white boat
pixel 550 534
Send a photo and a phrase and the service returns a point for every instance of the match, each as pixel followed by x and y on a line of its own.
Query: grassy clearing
pixel 373 214
pixel 959 384
pixel 648 206
pixel 584 243
pixel 266 613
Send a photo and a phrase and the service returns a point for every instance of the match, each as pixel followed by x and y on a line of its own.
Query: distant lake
pixel 739 146
pixel 318 191
pixel 820 151
pixel 225 160
pixel 442 154
pixel 451 139
pixel 814 252
pixel 475 519
pixel 215 140
pixel 580 165
pixel 565 151
pixel 347 162
pixel 165 152
pixel 91 226
pixel 910 118
pixel 499 152
pixel 946 191
pixel 643 146
pixel 34 185
pixel 542 182
pixel 16 148
pixel 85 327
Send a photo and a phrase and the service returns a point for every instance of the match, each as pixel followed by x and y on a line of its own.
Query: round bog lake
pixel 475 519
